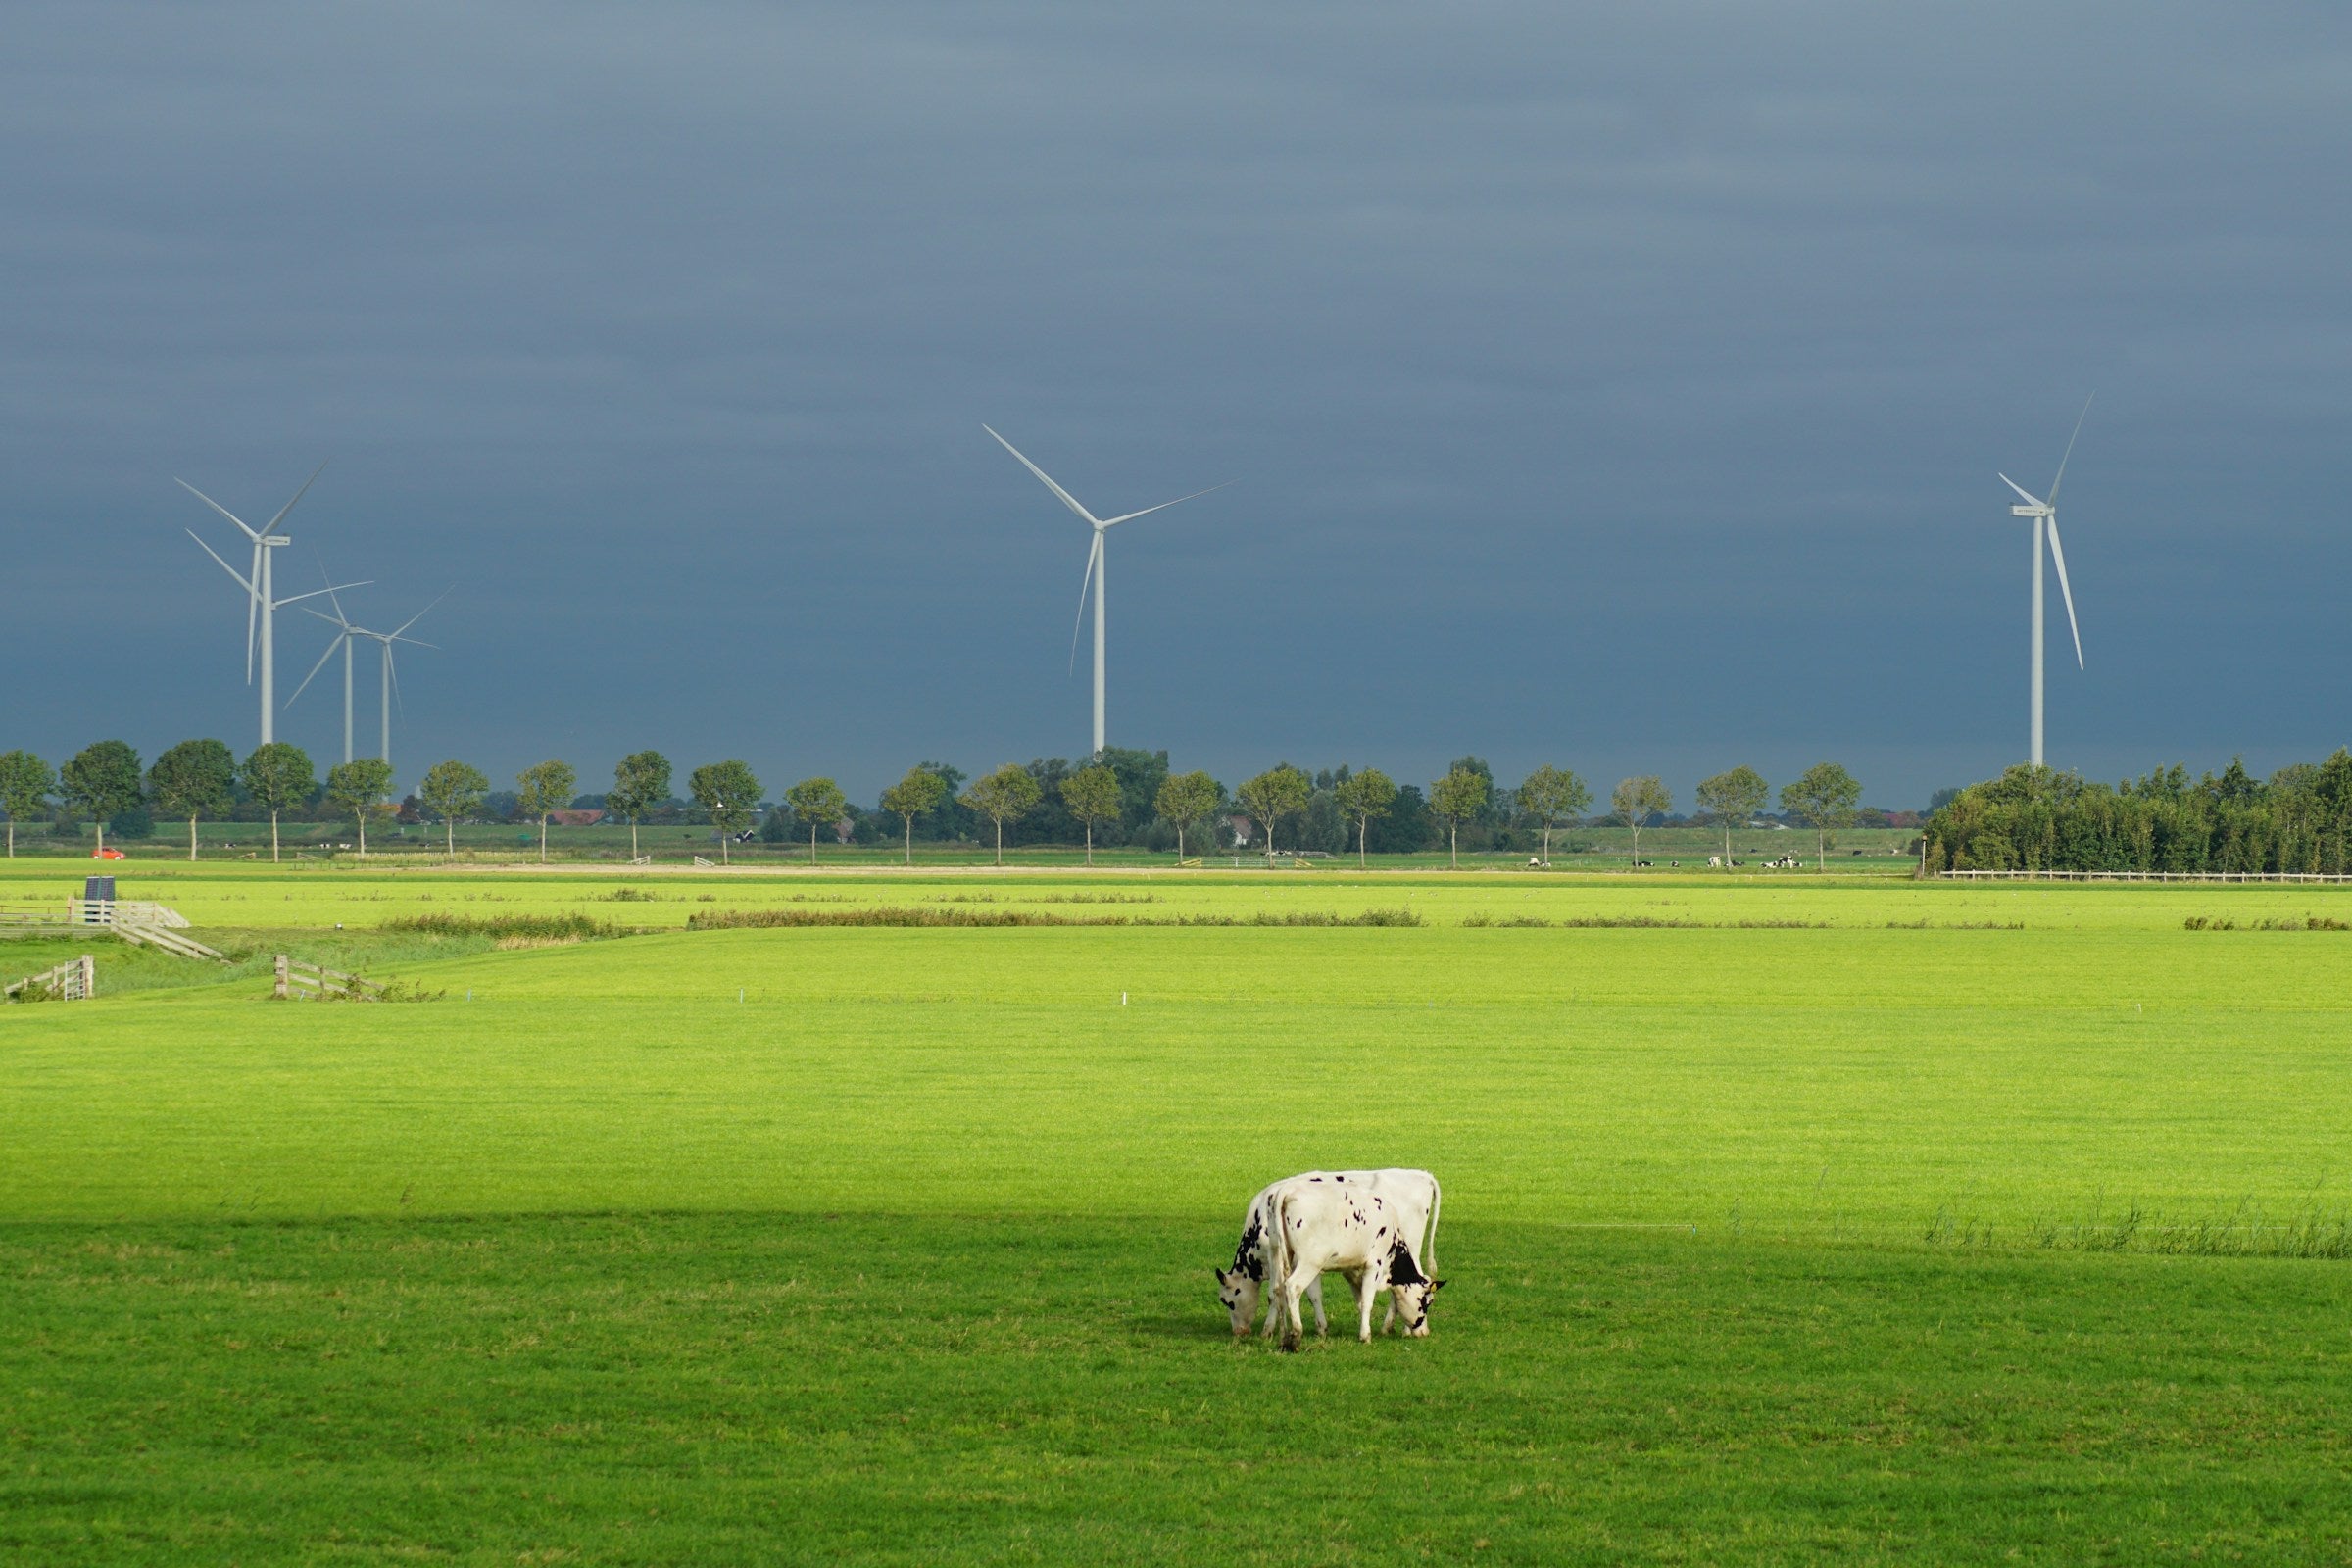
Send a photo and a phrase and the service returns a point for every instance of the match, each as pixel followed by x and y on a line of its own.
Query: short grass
pixel 1863 1220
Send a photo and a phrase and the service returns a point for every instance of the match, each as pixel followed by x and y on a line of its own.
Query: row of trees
pixel 2036 819
pixel 1117 795
pixel 193 780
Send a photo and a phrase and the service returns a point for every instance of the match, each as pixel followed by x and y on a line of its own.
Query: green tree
pixel 729 792
pixel 1141 775
pixel 193 779
pixel 1823 798
pixel 451 790
pixel 912 797
pixel 26 784
pixel 543 788
pixel 815 802
pixel 1093 796
pixel 1007 794
pixel 102 779
pixel 1458 798
pixel 1551 795
pixel 1185 799
pixel 640 782
pixel 1362 798
pixel 1635 801
pixel 1731 798
pixel 278 775
pixel 358 787
pixel 1274 795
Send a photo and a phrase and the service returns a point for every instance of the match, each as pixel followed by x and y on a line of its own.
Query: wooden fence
pixel 297 979
pixel 74 980
pixel 123 912
pixel 2289 877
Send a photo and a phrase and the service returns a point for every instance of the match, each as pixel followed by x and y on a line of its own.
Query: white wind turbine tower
pixel 1094 577
pixel 346 634
pixel 260 600
pixel 2045 516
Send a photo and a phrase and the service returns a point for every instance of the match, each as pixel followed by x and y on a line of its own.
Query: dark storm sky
pixel 1620 387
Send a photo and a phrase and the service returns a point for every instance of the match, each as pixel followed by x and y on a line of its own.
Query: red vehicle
pixel 107 854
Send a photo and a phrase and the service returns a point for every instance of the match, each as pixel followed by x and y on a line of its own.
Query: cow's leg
pixel 1290 1326
pixel 1373 1282
pixel 1316 1294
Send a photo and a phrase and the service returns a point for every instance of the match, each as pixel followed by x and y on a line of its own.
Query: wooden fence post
pixel 90 977
pixel 281 977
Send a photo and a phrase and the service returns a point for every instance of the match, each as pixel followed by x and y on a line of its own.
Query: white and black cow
pixel 1319 1226
pixel 1415 1197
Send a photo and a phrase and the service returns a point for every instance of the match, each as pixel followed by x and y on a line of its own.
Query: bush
pixel 554 928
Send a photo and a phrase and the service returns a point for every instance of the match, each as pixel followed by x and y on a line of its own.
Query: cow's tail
pixel 1429 1240
pixel 1278 1251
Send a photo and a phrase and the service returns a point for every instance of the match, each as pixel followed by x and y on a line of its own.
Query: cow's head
pixel 1411 1290
pixel 1413 1305
pixel 1238 1294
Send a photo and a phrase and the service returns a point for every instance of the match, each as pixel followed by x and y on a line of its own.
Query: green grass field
pixel 1785 1219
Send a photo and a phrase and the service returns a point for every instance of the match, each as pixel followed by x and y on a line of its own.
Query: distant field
pixel 1785 1219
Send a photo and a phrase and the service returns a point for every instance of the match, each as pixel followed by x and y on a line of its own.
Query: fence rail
pixel 115 911
pixel 2292 878
pixel 74 980
pixel 298 980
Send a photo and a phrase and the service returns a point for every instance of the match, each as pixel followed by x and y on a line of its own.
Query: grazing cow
pixel 1414 1194
pixel 1318 1226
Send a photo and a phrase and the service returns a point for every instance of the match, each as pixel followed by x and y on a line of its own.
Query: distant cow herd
pixel 1377 1228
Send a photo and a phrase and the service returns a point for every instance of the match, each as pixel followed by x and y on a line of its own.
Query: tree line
pixel 2031 818
pixel 1119 796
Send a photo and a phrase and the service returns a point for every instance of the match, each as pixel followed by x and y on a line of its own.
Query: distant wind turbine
pixel 346 634
pixel 261 602
pixel 1095 565
pixel 2045 516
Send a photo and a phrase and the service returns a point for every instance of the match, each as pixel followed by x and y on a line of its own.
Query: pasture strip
pixel 917 1389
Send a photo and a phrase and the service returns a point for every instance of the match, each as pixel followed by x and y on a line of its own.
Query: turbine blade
pixel 399 703
pixel 2030 496
pixel 253 606
pixel 331 598
pixel 1164 506
pixel 2058 554
pixel 414 642
pixel 1084 583
pixel 251 599
pixel 333 643
pixel 427 611
pixel 1068 499
pixel 298 495
pixel 315 592
pixel 217 507
pixel 225 565
pixel 2070 449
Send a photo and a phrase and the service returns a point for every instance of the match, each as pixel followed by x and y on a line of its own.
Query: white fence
pixel 74 980
pixel 123 912
pixel 296 979
pixel 2290 877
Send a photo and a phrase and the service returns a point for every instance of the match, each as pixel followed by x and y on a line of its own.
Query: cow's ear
pixel 1435 1286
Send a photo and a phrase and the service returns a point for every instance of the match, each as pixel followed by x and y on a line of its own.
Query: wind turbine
pixel 1095 564
pixel 260 600
pixel 2045 516
pixel 347 634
